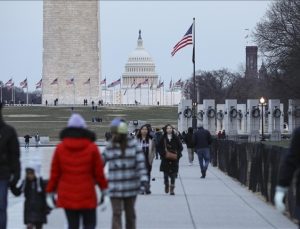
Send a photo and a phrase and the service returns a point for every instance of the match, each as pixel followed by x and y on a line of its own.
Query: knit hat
pixel 119 126
pixel 76 120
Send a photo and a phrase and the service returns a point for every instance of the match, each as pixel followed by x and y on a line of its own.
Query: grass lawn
pixel 49 121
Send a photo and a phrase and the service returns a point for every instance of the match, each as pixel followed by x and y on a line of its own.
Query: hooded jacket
pixel 76 167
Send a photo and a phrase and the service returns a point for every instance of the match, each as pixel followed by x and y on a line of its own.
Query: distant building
pixel 251 62
pixel 262 73
pixel 140 83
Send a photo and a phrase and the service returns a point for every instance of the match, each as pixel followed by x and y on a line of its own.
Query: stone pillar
pixel 241 119
pixel 274 116
pixel 184 115
pixel 294 114
pixel 220 117
pixel 71 49
pixel 209 120
pixel 253 119
pixel 200 113
pixel 230 118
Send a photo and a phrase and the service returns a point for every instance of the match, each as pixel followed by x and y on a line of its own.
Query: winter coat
pixel 168 166
pixel 290 164
pixel 202 138
pixel 188 139
pixel 125 173
pixel 151 151
pixel 76 168
pixel 9 153
pixel 35 206
pixel 27 138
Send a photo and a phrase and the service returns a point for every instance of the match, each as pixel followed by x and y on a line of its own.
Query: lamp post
pixel 262 102
pixel 194 117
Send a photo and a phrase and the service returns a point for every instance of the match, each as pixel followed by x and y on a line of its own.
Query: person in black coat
pixel 9 164
pixel 290 164
pixel 27 139
pixel 188 140
pixel 202 140
pixel 172 143
pixel 35 206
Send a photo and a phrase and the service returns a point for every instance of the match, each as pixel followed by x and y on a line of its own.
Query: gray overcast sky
pixel 220 35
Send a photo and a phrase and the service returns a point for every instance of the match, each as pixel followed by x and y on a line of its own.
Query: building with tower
pixel 71 51
pixel 140 83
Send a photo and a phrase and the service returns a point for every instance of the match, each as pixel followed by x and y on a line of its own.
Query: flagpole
pixel 27 94
pixel 105 91
pixel 148 92
pixel 120 93
pixel 194 100
pixel 141 94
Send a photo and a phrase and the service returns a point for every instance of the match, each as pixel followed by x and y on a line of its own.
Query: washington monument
pixel 71 51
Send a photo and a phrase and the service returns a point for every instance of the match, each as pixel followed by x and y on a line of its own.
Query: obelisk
pixel 71 52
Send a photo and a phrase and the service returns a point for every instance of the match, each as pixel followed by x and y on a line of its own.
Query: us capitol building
pixel 140 82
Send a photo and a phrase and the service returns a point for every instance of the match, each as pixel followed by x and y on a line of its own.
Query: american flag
pixel 161 84
pixel 10 86
pixel 88 81
pixel 70 81
pixel 170 86
pixel 138 86
pixel 8 83
pixel 178 83
pixel 23 84
pixel 186 40
pixel 125 91
pixel 54 81
pixel 145 81
pixel 115 83
pixel 103 81
pixel 39 84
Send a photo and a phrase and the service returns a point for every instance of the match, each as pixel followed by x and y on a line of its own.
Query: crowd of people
pixel 129 157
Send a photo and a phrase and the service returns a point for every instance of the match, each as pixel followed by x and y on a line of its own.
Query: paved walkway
pixel 214 202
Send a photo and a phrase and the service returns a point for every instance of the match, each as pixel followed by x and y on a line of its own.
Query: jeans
pixel 118 204
pixel 88 215
pixel 191 154
pixel 172 177
pixel 3 203
pixel 204 158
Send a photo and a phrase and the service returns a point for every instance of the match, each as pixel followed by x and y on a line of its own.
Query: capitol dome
pixel 139 66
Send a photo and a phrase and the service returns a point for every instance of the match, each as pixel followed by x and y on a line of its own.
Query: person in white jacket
pixel 148 147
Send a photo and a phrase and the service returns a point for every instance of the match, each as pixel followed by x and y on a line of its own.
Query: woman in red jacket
pixel 76 168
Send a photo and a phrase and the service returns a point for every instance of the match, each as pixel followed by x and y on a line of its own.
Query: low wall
pixel 254 165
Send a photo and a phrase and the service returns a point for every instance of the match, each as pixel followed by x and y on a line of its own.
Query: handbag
pixel 170 155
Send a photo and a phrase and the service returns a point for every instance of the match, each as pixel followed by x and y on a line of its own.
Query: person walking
pixel 27 139
pixel 169 146
pixel 202 140
pixel 127 173
pixel 37 139
pixel 35 206
pixel 148 147
pixel 157 136
pixel 188 140
pixel 76 168
pixel 9 165
pixel 288 169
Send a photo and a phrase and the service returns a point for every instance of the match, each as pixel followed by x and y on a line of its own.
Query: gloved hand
pixel 279 198
pixel 50 200
pixel 104 200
